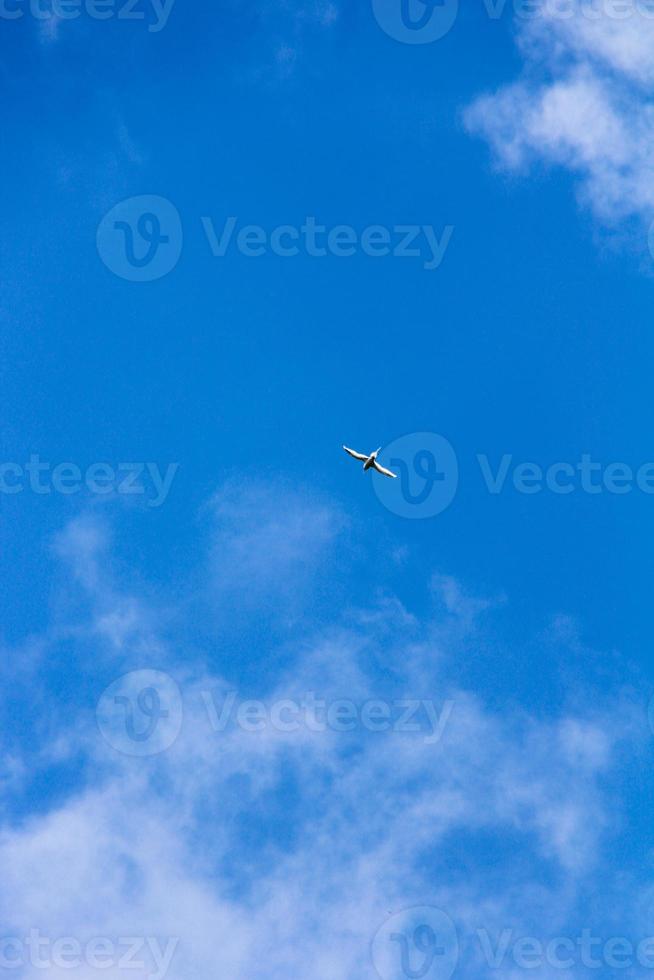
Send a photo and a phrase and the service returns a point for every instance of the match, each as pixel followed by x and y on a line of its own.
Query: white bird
pixel 370 462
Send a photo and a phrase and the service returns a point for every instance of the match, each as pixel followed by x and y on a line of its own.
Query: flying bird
pixel 370 462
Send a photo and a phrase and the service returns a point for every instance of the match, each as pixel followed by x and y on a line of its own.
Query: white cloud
pixel 583 103
pixel 269 541
pixel 275 853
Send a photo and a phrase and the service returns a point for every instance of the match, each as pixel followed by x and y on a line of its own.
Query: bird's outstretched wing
pixel 361 456
pixel 380 469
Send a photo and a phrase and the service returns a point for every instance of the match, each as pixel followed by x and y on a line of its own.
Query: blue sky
pixel 269 566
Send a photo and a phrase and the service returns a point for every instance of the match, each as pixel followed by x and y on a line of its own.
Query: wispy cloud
pixel 268 542
pixel 276 852
pixel 583 103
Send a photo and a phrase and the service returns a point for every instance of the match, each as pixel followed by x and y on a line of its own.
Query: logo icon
pixel 419 943
pixel 428 472
pixel 141 713
pixel 141 238
pixel 416 21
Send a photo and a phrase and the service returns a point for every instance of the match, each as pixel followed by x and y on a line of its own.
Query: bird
pixel 370 461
